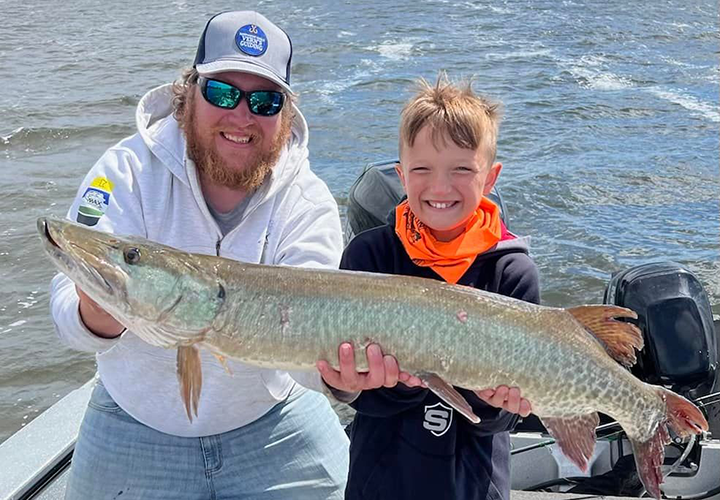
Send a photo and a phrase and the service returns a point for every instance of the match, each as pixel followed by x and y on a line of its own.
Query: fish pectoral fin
pixel 620 339
pixel 189 373
pixel 447 393
pixel 575 436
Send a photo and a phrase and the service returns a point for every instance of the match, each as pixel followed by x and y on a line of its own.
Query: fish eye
pixel 221 292
pixel 132 256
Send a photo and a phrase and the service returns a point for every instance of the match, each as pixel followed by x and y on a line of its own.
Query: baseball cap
pixel 246 42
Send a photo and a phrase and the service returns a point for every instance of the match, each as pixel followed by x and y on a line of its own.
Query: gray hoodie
pixel 147 186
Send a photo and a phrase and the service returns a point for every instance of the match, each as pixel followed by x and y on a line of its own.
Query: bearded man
pixel 219 165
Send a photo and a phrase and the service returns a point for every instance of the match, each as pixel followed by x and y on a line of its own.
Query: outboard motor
pixel 675 318
pixel 378 191
pixel 680 353
pixel 375 192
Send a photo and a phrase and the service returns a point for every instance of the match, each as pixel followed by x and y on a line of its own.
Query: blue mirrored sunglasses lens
pixel 221 94
pixel 265 103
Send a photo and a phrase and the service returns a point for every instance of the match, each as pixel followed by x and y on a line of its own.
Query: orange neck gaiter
pixel 449 259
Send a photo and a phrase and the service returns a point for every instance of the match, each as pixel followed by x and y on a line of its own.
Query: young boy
pixel 406 442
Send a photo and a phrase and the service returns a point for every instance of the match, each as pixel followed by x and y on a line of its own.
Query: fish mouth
pixel 69 261
pixel 44 230
pixel 52 245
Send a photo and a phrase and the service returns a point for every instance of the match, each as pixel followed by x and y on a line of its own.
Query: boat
pixel 681 353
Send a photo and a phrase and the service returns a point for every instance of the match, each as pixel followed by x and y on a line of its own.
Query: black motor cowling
pixel 675 318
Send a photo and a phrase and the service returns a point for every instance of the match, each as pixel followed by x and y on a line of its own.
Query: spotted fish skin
pixel 567 362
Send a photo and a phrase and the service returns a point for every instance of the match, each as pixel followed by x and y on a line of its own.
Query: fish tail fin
pixel 684 418
pixel 189 373
pixel 620 339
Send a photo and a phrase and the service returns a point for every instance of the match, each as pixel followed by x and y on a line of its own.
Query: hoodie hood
pixel 164 138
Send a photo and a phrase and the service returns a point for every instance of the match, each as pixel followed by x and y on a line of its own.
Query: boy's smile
pixel 444 185
pixel 441 205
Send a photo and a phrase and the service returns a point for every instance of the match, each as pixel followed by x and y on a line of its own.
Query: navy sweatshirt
pixel 406 442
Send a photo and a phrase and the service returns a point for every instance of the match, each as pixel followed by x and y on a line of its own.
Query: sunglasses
pixel 226 96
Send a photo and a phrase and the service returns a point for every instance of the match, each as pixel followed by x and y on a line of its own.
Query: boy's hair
pixel 452 111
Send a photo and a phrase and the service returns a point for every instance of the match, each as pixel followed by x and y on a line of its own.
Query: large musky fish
pixel 567 362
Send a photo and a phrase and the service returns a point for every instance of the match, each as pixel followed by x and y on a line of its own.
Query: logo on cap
pixel 251 40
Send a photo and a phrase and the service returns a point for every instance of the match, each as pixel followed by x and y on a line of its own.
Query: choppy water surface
pixel 609 143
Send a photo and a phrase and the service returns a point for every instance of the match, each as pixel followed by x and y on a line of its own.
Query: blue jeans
pixel 297 450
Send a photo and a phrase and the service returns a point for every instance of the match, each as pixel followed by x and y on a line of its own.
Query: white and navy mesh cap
pixel 245 42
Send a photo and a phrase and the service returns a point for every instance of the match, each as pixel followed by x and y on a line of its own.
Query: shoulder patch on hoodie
pixel 95 201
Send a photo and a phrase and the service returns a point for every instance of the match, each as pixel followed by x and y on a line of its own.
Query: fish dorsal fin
pixel 575 436
pixel 447 393
pixel 619 338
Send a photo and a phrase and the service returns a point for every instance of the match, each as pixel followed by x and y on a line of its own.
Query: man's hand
pixel 383 371
pixel 96 319
pixel 508 399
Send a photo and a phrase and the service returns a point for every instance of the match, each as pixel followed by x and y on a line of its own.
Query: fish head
pixel 167 297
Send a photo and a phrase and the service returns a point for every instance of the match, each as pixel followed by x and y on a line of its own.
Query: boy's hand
pixel 508 399
pixel 383 371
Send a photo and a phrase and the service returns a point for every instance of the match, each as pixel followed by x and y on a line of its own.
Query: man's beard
pixel 256 166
